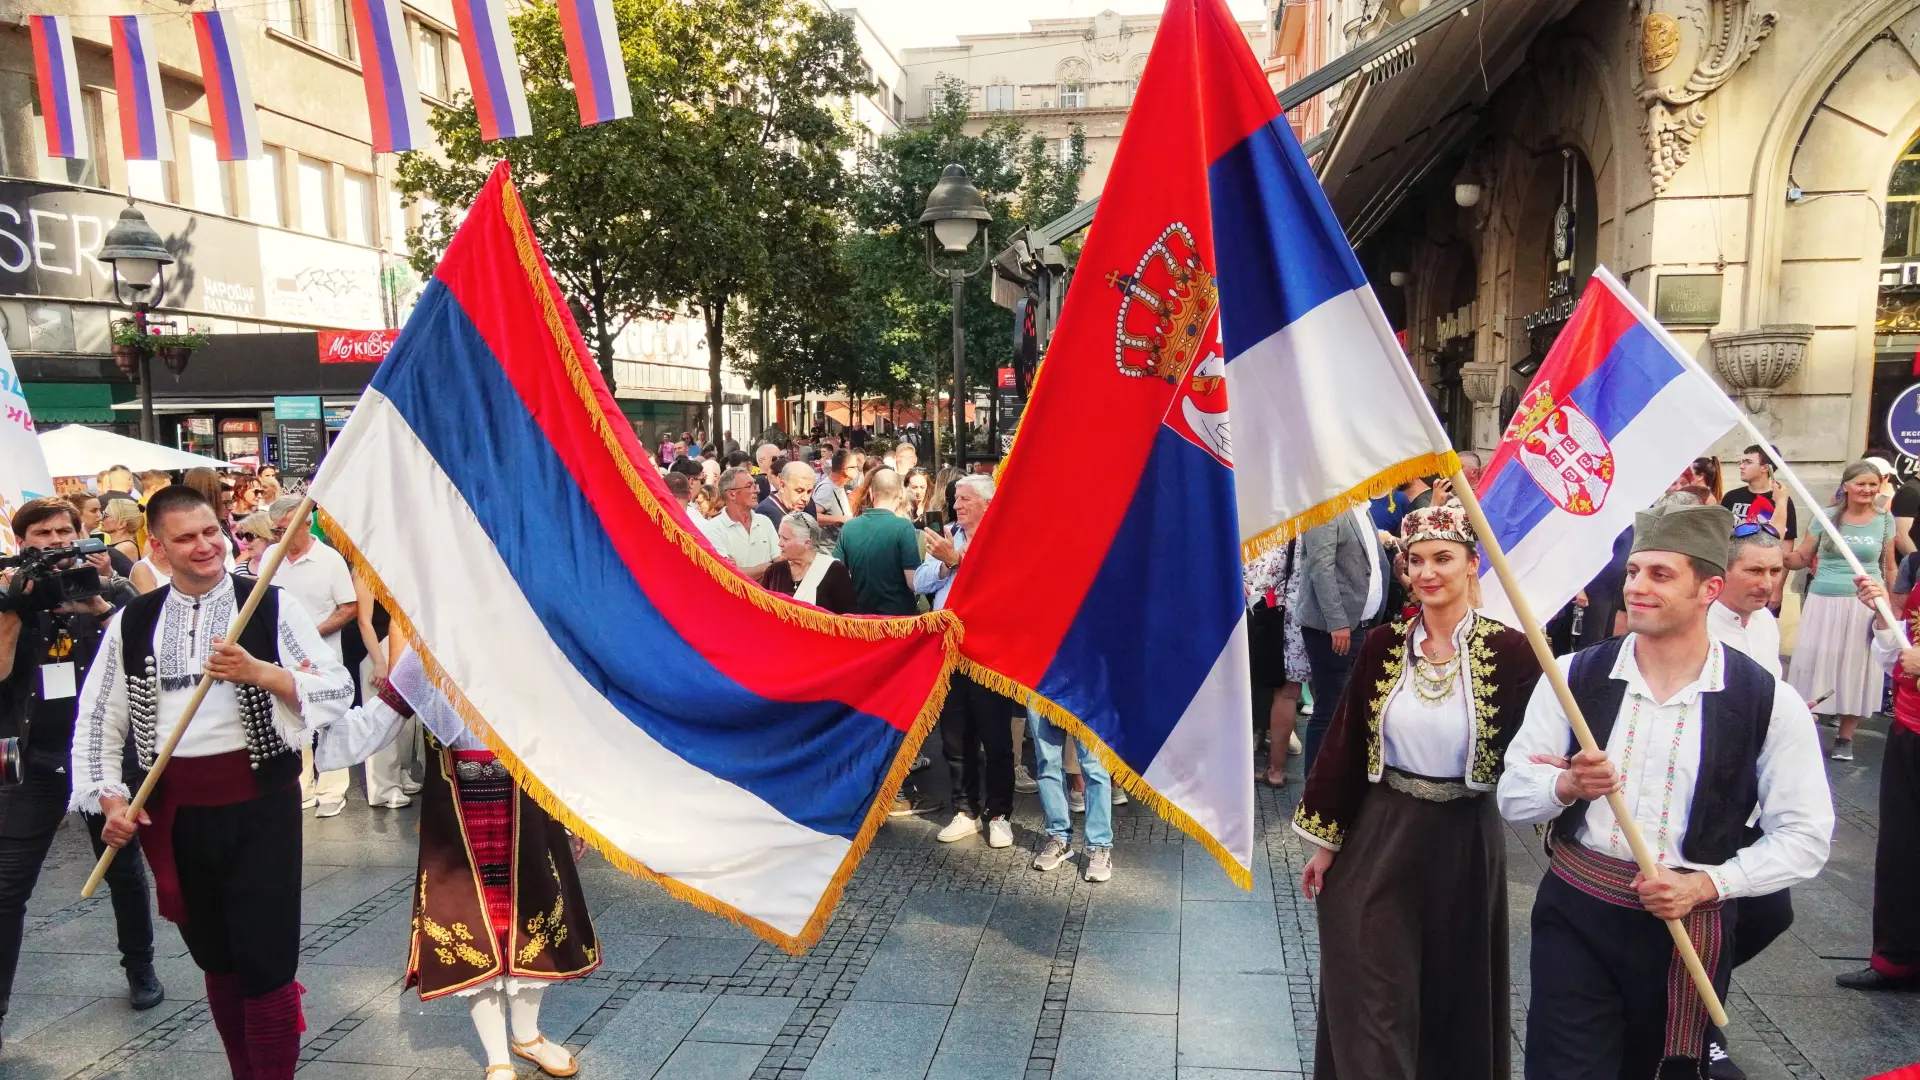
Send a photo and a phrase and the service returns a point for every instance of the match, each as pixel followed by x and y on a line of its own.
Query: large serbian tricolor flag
pixel 738 747
pixel 1122 617
pixel 1614 414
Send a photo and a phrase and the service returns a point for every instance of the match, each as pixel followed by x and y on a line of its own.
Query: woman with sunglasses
pixel 255 533
pixel 1833 660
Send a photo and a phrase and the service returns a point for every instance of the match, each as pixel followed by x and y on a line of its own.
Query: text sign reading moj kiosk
pixel 1903 422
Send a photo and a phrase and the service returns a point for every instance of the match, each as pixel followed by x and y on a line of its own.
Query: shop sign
pixel 356 346
pixel 337 416
pixel 319 282
pixel 1687 299
pixel 1454 325
pixel 1895 275
pixel 1903 422
pixel 1560 303
pixel 198 425
pixel 50 236
pixel 296 408
pixel 239 427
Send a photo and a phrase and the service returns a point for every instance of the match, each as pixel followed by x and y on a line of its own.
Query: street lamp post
pixel 955 214
pixel 136 254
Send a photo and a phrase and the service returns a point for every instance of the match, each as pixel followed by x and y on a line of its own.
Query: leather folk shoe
pixel 143 987
pixel 1869 978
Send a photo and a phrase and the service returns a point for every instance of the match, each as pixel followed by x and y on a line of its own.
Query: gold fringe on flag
pixel 876 816
pixel 1371 488
pixel 1123 774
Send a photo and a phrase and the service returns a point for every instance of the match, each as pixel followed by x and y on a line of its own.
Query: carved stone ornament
pixel 1755 363
pixel 1659 41
pixel 1481 382
pixel 1674 116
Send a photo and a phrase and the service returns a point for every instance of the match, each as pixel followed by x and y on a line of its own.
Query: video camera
pixel 43 581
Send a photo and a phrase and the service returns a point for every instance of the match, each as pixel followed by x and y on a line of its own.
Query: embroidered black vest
pixel 144 681
pixel 1734 724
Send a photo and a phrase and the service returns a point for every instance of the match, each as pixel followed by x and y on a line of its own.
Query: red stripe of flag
pixel 482 270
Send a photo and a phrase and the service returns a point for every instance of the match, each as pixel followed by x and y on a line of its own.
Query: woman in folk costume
pixel 490 860
pixel 1410 864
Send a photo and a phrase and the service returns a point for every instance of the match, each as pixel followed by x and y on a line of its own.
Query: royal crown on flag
pixel 1563 450
pixel 1169 302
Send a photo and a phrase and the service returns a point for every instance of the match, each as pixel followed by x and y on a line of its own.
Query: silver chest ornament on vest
pixel 256 718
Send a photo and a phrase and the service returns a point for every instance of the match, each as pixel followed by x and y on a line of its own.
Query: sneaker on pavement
pixel 1872 978
pixel 1099 863
pixel 960 827
pixel 1054 852
pixel 1023 780
pixel 410 786
pixel 1293 745
pixel 1077 800
pixel 1842 750
pixel 395 802
pixel 1719 1065
pixel 143 987
pixel 330 807
pixel 999 833
pixel 310 802
pixel 1119 796
pixel 902 807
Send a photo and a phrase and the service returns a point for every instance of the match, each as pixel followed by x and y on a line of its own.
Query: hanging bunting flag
pixel 593 55
pixel 236 132
pixel 136 79
pixel 59 82
pixel 386 65
pixel 493 68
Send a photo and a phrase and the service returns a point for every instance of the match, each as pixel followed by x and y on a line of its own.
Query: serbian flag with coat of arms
pixel 1215 274
pixel 737 747
pixel 1617 410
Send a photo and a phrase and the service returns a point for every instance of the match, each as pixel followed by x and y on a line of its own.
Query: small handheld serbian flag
pixel 236 130
pixel 1615 412
pixel 1124 620
pixel 144 135
pixel 738 747
pixel 58 79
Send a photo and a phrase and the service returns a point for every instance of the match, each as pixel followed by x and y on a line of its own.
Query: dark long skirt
pixel 1896 862
pixel 1413 944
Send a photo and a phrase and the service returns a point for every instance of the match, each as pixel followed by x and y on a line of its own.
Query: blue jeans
pixel 1049 748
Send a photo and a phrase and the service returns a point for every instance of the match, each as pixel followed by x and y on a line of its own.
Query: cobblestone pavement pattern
pixel 945 962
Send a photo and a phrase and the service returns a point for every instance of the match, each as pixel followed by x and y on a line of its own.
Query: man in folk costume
pixel 1895 964
pixel 222 828
pixel 490 859
pixel 1720 766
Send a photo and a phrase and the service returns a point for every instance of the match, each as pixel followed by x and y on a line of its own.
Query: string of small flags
pixel 386 69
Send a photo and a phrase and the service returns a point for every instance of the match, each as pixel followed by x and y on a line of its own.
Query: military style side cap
pixel 1700 532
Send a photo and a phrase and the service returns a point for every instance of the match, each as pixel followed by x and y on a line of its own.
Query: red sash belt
pixel 1605 878
pixel 216 780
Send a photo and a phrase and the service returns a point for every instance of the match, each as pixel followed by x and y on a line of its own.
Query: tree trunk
pixel 714 311
pixel 602 333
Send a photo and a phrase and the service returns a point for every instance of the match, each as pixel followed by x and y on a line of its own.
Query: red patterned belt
pixel 1606 878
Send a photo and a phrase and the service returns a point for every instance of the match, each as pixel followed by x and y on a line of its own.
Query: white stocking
pixel 523 1005
pixel 489 1011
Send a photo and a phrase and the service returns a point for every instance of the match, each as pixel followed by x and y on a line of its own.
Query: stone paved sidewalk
pixel 947 962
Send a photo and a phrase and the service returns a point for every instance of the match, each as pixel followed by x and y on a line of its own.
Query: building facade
pixel 1056 75
pixel 311 237
pixel 1749 169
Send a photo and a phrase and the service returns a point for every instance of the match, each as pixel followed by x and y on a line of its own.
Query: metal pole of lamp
pixel 955 214
pixel 137 256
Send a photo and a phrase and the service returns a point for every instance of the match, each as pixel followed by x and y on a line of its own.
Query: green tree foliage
pixel 720 189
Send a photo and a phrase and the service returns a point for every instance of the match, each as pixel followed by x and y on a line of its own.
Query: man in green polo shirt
pixel 881 551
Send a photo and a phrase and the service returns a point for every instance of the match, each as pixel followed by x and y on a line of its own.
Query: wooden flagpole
pixel 132 810
pixel 1702 982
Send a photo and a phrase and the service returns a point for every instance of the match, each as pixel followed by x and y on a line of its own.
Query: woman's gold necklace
pixel 1435 681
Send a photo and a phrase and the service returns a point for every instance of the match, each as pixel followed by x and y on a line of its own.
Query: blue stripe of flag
pixel 817 763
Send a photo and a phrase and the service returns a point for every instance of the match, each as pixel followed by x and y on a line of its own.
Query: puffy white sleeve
pixel 320 682
pixel 1526 791
pixel 1888 644
pixel 1796 808
pixel 356 736
pixel 100 726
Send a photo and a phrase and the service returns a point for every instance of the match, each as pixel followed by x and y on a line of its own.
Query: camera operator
pixel 44 655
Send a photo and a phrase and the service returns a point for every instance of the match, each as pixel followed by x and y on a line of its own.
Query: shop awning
pixel 1412 108
pixel 75 403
